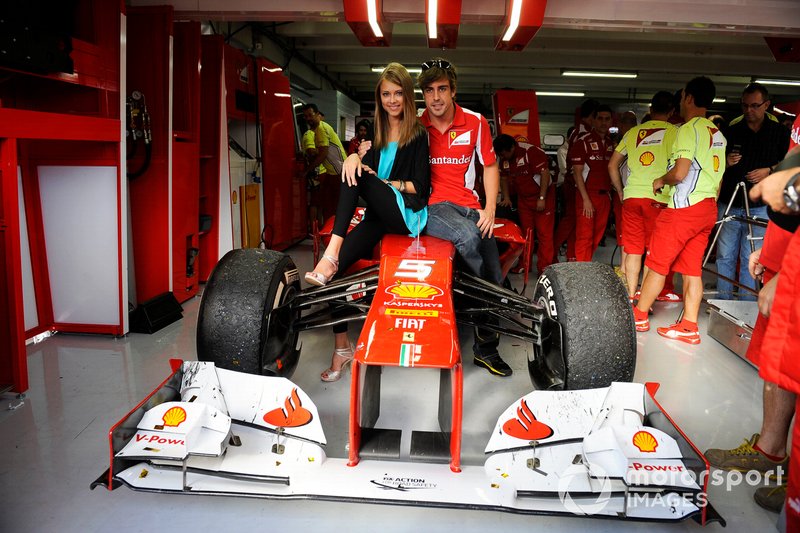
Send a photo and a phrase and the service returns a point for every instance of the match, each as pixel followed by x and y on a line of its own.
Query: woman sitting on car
pixel 394 180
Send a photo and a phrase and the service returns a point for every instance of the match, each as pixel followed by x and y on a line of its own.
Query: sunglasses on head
pixel 439 63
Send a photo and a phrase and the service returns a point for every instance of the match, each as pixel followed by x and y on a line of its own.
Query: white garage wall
pixel 79 212
pixel 28 292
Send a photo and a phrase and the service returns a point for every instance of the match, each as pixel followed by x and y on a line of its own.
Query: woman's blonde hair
pixel 410 126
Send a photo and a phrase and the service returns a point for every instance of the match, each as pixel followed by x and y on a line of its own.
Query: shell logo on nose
pixel 421 291
pixel 645 442
pixel 174 417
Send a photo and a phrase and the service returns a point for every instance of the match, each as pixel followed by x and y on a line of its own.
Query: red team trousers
pixel 542 223
pixel 589 231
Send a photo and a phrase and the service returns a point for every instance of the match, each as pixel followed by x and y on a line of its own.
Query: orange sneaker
pixel 640 320
pixel 665 296
pixel 680 332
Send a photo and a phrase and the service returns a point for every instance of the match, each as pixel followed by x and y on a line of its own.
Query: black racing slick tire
pixel 598 339
pixel 245 318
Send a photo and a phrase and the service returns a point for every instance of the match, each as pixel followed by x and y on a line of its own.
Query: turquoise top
pixel 415 221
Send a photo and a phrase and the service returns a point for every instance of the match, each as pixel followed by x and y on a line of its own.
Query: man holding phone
pixel 755 146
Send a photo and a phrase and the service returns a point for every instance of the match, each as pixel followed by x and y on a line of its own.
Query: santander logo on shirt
pixel 795 133
pixel 463 160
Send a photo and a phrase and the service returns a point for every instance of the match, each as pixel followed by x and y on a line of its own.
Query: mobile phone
pixel 736 149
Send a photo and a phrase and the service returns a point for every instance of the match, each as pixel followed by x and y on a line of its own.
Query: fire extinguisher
pixel 138 131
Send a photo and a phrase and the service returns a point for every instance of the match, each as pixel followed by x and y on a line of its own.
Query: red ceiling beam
pixel 365 18
pixel 442 18
pixel 523 19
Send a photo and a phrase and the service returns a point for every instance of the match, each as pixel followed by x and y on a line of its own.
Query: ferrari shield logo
pixel 459 139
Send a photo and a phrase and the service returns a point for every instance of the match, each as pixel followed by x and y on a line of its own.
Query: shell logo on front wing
pixel 174 417
pixel 645 442
pixel 420 291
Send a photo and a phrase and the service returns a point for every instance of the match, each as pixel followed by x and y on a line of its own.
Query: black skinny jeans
pixel 382 216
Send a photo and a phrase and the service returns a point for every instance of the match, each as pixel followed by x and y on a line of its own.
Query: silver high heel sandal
pixel 320 280
pixel 330 375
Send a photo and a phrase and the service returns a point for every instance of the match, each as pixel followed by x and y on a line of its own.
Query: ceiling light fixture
pixel 432 12
pixel 598 74
pixel 366 20
pixel 559 93
pixel 720 100
pixel 789 83
pixel 513 23
pixel 522 20
pixel 442 20
pixel 372 16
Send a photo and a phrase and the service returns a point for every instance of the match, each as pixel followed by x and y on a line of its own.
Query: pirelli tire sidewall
pixel 598 336
pixel 236 328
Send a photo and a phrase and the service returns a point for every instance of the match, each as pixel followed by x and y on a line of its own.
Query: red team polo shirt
pixel 525 169
pixel 593 152
pixel 452 157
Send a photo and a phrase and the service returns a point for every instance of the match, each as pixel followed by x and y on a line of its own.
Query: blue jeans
pixel 733 243
pixel 458 224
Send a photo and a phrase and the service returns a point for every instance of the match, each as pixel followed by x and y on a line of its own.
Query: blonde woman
pixel 394 180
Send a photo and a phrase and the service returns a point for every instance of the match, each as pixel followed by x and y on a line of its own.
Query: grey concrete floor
pixel 55 441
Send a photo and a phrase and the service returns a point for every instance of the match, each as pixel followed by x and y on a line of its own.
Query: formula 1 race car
pixel 587 442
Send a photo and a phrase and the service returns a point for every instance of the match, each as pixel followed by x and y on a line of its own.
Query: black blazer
pixel 410 164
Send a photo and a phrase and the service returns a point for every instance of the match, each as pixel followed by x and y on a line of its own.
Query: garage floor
pixel 54 442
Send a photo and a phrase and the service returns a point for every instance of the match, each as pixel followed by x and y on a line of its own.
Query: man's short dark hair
pixel 311 106
pixel 589 107
pixel 702 90
pixel 503 143
pixel 756 88
pixel 436 69
pixel 662 103
pixel 603 109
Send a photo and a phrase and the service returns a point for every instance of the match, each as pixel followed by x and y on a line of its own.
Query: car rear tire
pixel 236 326
pixel 598 339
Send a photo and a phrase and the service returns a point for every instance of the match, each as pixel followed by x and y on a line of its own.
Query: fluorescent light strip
pixel 790 83
pixel 372 16
pixel 432 17
pixel 779 110
pixel 589 74
pixel 557 93
pixel 720 100
pixel 513 23
pixel 412 70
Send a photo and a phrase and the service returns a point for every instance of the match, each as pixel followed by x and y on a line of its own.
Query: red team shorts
pixel 638 221
pixel 680 238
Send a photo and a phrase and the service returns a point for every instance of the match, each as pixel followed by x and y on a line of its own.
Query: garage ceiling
pixel 664 43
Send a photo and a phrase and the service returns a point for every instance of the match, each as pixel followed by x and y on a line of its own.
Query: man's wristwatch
pixel 790 195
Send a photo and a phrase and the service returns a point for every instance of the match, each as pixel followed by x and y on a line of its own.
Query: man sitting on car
pixel 457 136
